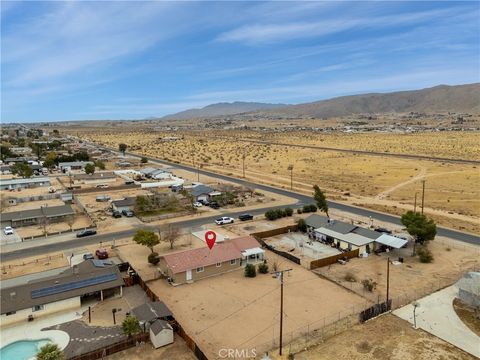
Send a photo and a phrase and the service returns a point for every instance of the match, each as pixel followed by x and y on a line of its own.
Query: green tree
pixel 50 351
pixel 302 225
pixel 130 326
pixel 419 226
pixel 122 148
pixel 5 152
pixel 50 160
pixel 250 270
pixel 22 169
pixel 321 200
pixel 146 238
pixel 100 164
pixel 90 168
pixel 144 160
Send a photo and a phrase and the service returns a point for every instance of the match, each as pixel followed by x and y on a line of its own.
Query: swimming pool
pixel 22 350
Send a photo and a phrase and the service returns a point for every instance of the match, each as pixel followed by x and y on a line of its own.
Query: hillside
pixel 221 109
pixel 443 98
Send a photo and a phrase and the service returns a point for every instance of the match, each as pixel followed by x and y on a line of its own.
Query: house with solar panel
pixel 29 297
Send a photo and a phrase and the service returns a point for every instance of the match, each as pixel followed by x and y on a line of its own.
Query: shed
pixel 161 333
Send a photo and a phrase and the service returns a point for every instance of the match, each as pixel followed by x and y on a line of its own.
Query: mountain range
pixel 438 99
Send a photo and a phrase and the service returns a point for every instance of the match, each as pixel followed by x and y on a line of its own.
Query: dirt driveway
pixel 231 311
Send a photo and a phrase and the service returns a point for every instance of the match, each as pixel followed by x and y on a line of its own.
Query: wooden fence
pixel 333 259
pixel 273 232
pixel 375 310
pixel 192 345
pixel 113 348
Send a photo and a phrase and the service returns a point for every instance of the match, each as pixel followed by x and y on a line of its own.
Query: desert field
pixel 384 183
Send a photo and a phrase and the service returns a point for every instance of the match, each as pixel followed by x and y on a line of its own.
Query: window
pixel 219 264
pixel 38 308
pixel 200 269
pixel 233 262
pixel 10 313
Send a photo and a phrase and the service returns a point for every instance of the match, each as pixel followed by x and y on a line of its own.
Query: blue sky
pixel 133 60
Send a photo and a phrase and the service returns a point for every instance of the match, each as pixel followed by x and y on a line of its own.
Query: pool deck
pixel 33 330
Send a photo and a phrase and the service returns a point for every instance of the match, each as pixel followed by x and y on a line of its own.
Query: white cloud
pixel 72 37
pixel 261 33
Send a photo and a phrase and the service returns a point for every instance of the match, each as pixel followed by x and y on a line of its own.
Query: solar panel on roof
pixel 57 289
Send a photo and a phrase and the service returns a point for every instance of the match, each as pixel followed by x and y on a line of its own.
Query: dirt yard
pixel 411 279
pixel 231 311
pixel 14 268
pixel 386 337
pixel 80 221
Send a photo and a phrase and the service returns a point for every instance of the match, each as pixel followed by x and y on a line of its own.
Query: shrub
pixel 309 208
pixel 299 211
pixel 289 211
pixel 369 284
pixel 350 277
pixel 271 215
pixel 153 258
pixel 263 268
pixel 302 225
pixel 280 213
pixel 425 255
pixel 250 271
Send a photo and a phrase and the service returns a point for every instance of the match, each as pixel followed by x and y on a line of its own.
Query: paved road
pixel 361 152
pixel 301 200
pixel 304 199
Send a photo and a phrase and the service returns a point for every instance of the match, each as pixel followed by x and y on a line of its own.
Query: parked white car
pixel 8 230
pixel 224 220
pixel 197 204
pixel 102 186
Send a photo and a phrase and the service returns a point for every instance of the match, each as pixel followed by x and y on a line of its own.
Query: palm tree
pixel 50 351
pixel 130 326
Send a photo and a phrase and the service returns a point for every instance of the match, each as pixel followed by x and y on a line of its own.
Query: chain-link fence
pixel 314 333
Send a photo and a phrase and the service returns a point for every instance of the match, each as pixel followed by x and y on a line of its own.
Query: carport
pixel 391 241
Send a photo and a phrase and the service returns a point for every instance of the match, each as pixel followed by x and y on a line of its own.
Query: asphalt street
pixel 301 200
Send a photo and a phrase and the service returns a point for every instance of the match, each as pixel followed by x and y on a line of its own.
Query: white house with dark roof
pixel 11 184
pixel 49 294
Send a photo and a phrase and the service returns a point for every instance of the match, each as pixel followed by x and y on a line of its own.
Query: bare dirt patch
pixel 231 311
pixel 386 337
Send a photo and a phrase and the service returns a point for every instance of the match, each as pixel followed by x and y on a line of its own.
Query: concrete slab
pixel 435 314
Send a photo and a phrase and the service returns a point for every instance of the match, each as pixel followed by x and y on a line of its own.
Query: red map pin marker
pixel 210 238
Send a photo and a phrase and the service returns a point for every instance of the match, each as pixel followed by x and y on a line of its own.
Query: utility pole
pixel 243 158
pixel 423 194
pixel 279 275
pixel 415 203
pixel 388 277
pixel 290 167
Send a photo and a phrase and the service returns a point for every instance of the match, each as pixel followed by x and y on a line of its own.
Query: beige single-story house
pixel 27 299
pixel 49 214
pixel 11 184
pixel 195 264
